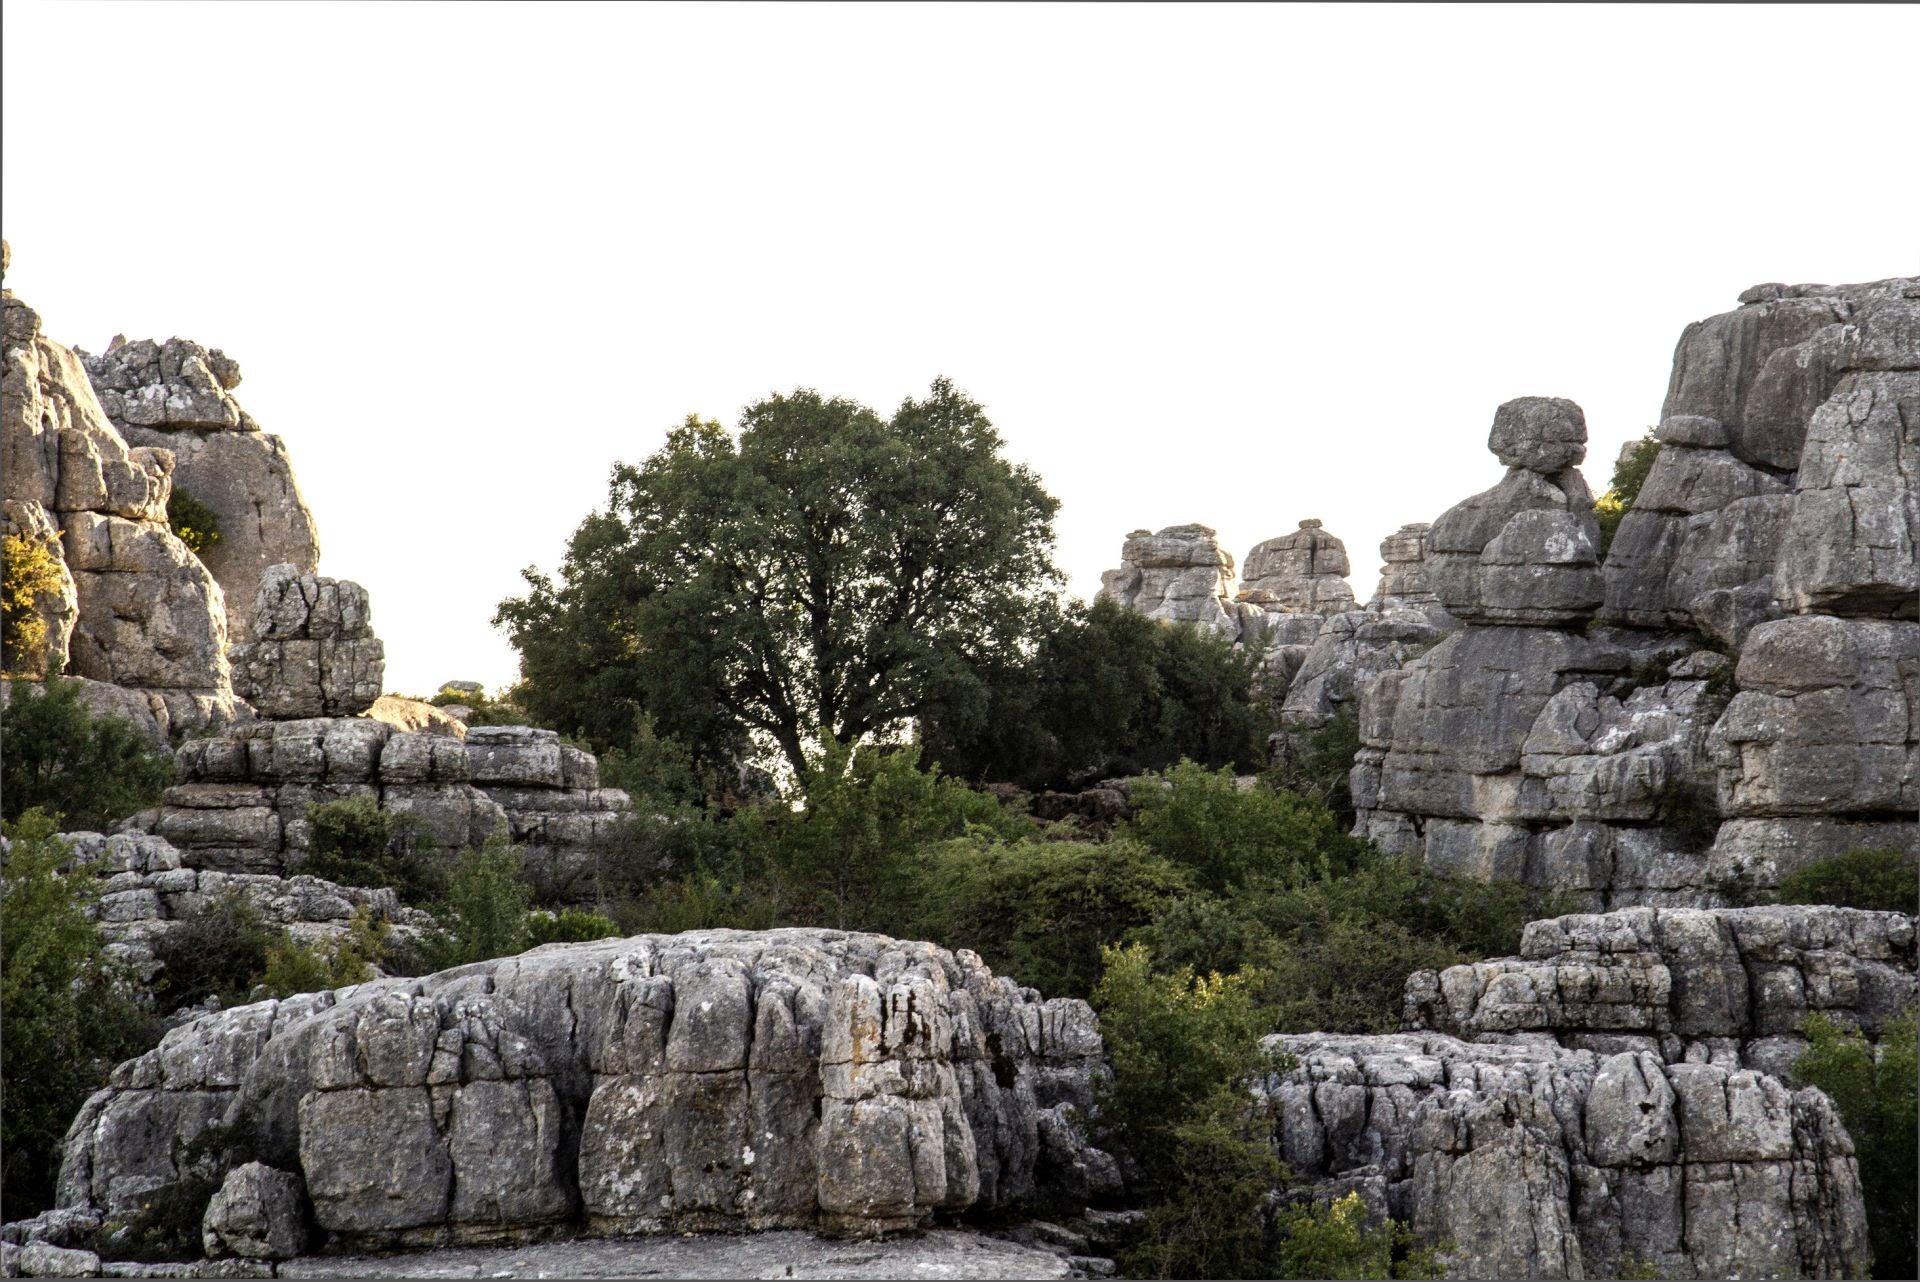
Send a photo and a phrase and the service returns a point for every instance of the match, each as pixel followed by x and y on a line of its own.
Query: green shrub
pixel 1884 879
pixel 1876 1095
pixel 1037 910
pixel 1629 474
pixel 1690 812
pixel 1320 762
pixel 354 842
pixel 483 710
pixel 66 1013
pixel 485 911
pixel 1224 834
pixel 1183 1049
pixel 293 967
pixel 568 926
pixel 29 576
pixel 193 522
pixel 1332 1240
pixel 217 950
pixel 86 771
pixel 701 901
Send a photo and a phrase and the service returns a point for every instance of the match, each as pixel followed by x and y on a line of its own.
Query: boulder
pixel 713 1080
pixel 1300 573
pixel 1534 1160
pixel 314 653
pixel 258 1213
pixel 177 396
pixel 1180 575
pixel 1403 578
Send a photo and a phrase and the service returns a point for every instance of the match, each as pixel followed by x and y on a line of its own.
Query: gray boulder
pixel 314 653
pixel 713 1080
pixel 1180 575
pixel 1532 1160
pixel 1539 433
pixel 258 1213
pixel 1300 573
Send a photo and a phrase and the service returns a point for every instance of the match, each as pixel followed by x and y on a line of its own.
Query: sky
pixel 1232 264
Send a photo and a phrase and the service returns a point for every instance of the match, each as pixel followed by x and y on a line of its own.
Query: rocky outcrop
pixel 144 613
pixel 1528 550
pixel 241 803
pixel 259 1214
pixel 1729 986
pixel 149 889
pixel 177 396
pixel 1349 652
pixel 1546 1162
pixel 1180 575
pixel 1403 578
pixel 712 1080
pixel 1300 573
pixel 1784 482
pixel 314 653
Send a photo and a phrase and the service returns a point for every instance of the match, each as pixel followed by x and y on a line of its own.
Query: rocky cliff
pixel 717 1079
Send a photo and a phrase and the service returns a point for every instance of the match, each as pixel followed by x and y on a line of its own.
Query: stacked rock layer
pixel 713 1080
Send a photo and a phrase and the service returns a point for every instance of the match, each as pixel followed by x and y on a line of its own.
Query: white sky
pixel 1234 264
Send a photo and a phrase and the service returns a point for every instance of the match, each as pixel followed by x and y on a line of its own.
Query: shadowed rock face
pixel 1727 985
pixel 712 1080
pixel 1539 1161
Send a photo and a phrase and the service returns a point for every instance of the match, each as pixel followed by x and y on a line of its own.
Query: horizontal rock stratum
pixel 711 1080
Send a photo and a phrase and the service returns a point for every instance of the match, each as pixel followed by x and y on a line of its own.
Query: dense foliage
pixel 1883 879
pixel 29 576
pixel 87 771
pixel 1878 1094
pixel 1104 692
pixel 66 1012
pixel 353 841
pixel 1629 474
pixel 817 579
pixel 193 522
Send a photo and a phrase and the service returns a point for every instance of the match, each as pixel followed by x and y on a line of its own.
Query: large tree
pixel 821 576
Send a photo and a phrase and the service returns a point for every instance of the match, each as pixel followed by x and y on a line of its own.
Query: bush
pixel 86 771
pixel 193 522
pixel 1319 764
pixel 66 1016
pixel 701 901
pixel 568 926
pixel 1040 910
pixel 1183 1049
pixel 31 576
pixel 353 842
pixel 1888 880
pixel 485 911
pixel 482 710
pixel 1332 1240
pixel 218 950
pixel 293 967
pixel 1203 821
pixel 1875 1092
pixel 1629 474
pixel 1690 812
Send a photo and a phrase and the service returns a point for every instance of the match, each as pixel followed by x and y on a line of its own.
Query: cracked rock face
pixel 314 653
pixel 1545 1162
pixel 177 396
pixel 1180 575
pixel 1728 985
pixel 1300 573
pixel 1403 578
pixel 713 1080
pixel 143 612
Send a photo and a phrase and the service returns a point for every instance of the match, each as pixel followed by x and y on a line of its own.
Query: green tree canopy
pixel 818 577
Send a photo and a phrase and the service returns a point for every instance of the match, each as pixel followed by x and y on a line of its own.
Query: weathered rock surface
pixel 1300 573
pixel 177 396
pixel 1403 578
pixel 145 613
pixel 1728 986
pixel 1545 1162
pixel 241 803
pixel 1526 551
pixel 1181 575
pixel 717 1079
pixel 1350 651
pixel 314 653
pixel 258 1213
pixel 938 1253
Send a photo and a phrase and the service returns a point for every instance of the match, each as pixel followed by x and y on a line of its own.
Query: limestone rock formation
pixel 1403 578
pixel 1300 573
pixel 258 1213
pixel 1526 551
pixel 145 613
pixel 1728 986
pixel 1539 1161
pixel 242 799
pixel 314 653
pixel 177 396
pixel 150 888
pixel 711 1080
pixel 1181 575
